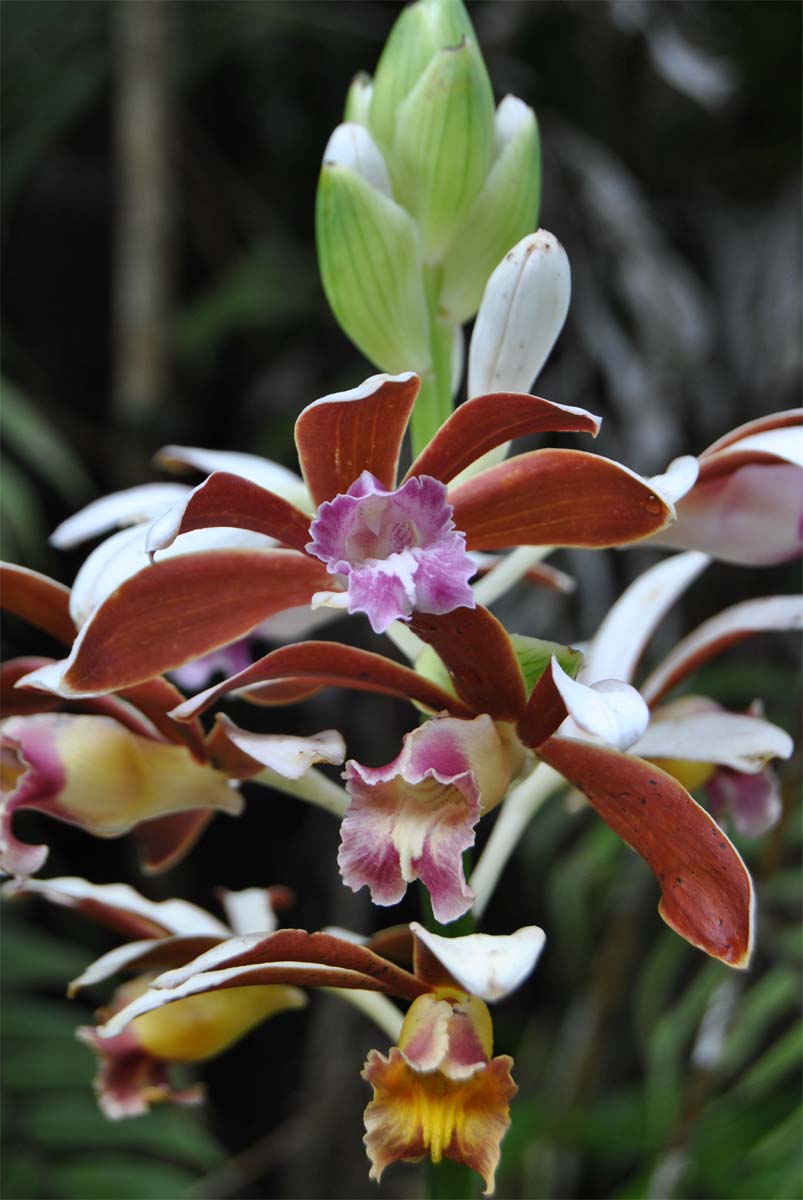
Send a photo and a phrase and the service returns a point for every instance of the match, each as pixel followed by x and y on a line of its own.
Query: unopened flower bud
pixel 420 32
pixel 521 314
pixel 504 211
pixel 369 255
pixel 443 145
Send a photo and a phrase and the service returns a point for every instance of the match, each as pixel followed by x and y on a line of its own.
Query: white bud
pixel 520 317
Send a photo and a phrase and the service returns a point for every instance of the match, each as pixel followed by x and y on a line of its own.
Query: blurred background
pixel 160 285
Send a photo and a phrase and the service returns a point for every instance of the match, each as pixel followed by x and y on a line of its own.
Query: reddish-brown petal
pixel 19 702
pixel 706 892
pixel 37 599
pixel 280 692
pixel 332 664
pixel 479 657
pixel 345 434
pixel 183 607
pixel 488 421
pixel 545 712
pixel 166 840
pixel 557 498
pixel 155 699
pixel 142 714
pixel 235 503
pixel 298 946
pixel 765 615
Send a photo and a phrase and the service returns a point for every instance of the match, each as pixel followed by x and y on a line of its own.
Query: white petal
pixel 619 642
pixel 267 474
pixel 289 756
pixel 521 315
pixel 678 478
pixel 175 916
pixel 609 710
pixel 485 965
pixel 249 911
pixel 128 507
pixel 786 444
pixel 768 614
pixel 732 740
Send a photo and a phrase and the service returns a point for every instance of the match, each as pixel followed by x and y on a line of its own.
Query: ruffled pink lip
pixel 398 550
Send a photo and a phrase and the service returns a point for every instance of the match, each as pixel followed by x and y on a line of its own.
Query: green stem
pixel 434 403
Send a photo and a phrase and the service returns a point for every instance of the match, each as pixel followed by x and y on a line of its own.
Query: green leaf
pixel 123 1176
pixel 36 440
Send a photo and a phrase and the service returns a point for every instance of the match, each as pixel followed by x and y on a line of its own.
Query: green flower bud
pixel 444 144
pixel 505 211
pixel 420 32
pixel 369 255
pixel 358 99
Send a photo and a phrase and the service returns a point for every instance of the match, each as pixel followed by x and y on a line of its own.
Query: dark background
pixel 671 151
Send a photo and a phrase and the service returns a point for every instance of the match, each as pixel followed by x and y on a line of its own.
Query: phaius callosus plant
pixel 427 202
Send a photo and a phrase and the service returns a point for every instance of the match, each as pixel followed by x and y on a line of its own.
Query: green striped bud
pixel 420 32
pixel 369 254
pixel 504 212
pixel 443 146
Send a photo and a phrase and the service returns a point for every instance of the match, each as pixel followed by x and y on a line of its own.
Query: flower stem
pixel 508 571
pixel 434 403
pixel 520 806
pixel 375 1006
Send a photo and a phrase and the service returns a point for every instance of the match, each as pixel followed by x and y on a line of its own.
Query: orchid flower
pixel 395 827
pixel 747 504
pixel 693 737
pixel 439 1092
pixel 133 1067
pixel 389 550
pixel 118 763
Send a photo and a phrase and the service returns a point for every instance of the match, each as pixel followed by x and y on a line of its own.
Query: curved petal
pixel 340 436
pixel 124 554
pixel 229 501
pixel 781 420
pixel 37 599
pixel 609 710
pixel 557 498
pixel 618 644
pixel 164 841
pixel 734 740
pixel 486 965
pixel 267 474
pixel 129 507
pixel 480 659
pixel 707 894
pixel 332 664
pixel 769 614
pixel 749 513
pixel 122 908
pixel 285 754
pixel 487 421
pixel 177 610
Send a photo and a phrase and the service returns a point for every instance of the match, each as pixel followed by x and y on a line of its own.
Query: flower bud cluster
pixel 423 190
